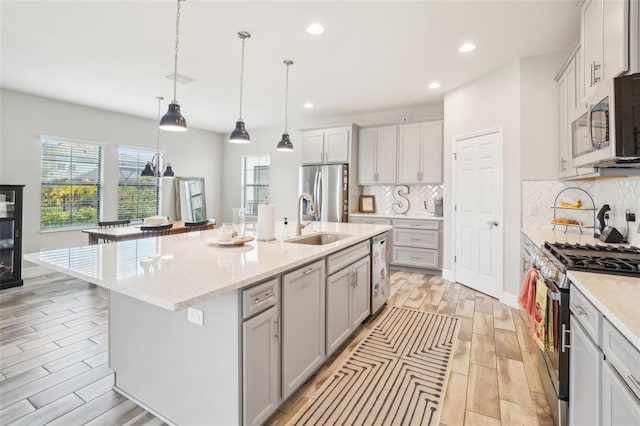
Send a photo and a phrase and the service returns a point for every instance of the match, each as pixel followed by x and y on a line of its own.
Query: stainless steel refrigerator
pixel 329 187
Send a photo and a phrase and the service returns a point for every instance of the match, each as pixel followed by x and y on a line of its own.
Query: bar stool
pixel 197 226
pixel 114 223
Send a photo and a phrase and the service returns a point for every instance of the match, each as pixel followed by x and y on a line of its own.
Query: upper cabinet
pixel 377 156
pixel 419 153
pixel 326 145
pixel 605 42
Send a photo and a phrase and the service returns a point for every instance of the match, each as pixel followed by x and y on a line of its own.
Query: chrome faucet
pixel 314 210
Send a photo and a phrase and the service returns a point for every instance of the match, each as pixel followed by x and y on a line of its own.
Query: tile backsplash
pixel 620 193
pixel 417 196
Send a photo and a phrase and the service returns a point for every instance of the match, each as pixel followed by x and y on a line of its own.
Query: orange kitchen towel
pixel 527 296
pixel 539 318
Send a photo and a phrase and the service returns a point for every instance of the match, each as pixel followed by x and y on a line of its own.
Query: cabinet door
pixel 336 145
pixel 592 44
pixel 312 147
pixel 386 155
pixel 431 152
pixel 564 128
pixel 584 373
pixel 615 43
pixel 408 172
pixel 339 287
pixel 303 325
pixel 260 363
pixel 619 405
pixel 360 292
pixel 367 142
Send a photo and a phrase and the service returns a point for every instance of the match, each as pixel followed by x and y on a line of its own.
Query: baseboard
pixel 35 271
pixel 510 300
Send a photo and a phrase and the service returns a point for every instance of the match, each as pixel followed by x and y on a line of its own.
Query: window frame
pixel 140 166
pixel 249 212
pixel 99 184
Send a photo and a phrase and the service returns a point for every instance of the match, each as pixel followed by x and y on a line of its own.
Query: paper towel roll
pixel 266 222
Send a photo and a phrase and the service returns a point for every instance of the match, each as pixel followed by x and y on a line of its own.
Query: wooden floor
pixel 54 369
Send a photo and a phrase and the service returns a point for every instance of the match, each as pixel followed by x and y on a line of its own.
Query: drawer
pixel 420 258
pixel 416 224
pixel 346 257
pixel 624 357
pixel 587 314
pixel 416 238
pixel 370 220
pixel 260 297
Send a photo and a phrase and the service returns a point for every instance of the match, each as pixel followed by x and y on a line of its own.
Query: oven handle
pixel 552 290
pixel 564 346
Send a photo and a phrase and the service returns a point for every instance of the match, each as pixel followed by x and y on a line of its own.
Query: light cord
pixel 241 76
pixel 175 62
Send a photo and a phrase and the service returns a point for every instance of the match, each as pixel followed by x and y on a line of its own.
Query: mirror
pixel 190 202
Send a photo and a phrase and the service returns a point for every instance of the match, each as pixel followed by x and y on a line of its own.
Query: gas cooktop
pixel 597 258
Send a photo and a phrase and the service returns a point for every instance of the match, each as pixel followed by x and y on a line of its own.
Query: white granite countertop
pixel 425 216
pixel 616 296
pixel 177 271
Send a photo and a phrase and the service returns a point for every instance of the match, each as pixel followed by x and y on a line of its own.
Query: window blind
pixel 255 182
pixel 70 184
pixel 137 196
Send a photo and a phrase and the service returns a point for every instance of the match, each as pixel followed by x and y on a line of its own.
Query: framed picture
pixel 367 204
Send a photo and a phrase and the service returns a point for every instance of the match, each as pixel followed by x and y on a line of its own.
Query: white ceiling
pixel 372 56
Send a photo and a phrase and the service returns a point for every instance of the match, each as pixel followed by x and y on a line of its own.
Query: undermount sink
pixel 318 239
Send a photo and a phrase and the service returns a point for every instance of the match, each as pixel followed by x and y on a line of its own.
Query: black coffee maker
pixel 607 234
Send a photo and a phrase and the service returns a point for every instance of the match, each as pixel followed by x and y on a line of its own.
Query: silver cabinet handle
pixel 596 67
pixel 308 271
pixel 634 381
pixel 563 168
pixel 276 324
pixel 564 345
pixel 355 278
pixel 579 309
pixel 591 70
pixel 263 298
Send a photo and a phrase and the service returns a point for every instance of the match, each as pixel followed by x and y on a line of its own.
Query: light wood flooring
pixel 54 358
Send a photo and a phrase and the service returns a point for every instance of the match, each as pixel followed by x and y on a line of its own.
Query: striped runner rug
pixel 396 376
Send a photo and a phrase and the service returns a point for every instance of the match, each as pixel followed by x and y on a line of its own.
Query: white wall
pixel 487 102
pixel 26 117
pixel 539 135
pixel 284 166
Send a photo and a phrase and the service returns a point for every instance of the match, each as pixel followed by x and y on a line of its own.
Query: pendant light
pixel 239 134
pixel 285 143
pixel 152 168
pixel 173 119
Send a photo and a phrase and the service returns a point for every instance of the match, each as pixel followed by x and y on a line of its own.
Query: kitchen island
pixel 187 368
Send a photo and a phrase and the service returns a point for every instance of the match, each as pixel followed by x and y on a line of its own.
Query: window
pixel 255 182
pixel 70 184
pixel 137 196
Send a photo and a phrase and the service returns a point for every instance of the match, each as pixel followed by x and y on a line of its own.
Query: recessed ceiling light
pixel 467 47
pixel 434 85
pixel 315 29
pixel 308 105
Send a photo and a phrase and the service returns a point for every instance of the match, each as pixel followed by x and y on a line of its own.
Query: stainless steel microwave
pixel 608 133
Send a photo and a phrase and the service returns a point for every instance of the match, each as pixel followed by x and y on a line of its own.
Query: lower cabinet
pixel 260 362
pixel 416 243
pixel 585 378
pixel 619 404
pixel 303 325
pixel 347 301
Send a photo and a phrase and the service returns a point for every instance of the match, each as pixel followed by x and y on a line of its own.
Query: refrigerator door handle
pixel 319 199
pixel 315 187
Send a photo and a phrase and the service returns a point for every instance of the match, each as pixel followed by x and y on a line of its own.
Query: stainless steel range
pixel 552 261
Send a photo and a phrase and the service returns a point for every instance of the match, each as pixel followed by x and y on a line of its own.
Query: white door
pixel 312 147
pixel 336 145
pixel 478 190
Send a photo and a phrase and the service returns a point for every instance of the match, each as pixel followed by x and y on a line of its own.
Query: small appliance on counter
pixel 607 234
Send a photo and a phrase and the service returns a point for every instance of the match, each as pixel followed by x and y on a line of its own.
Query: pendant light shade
pixel 148 171
pixel 152 168
pixel 240 134
pixel 168 171
pixel 285 143
pixel 173 119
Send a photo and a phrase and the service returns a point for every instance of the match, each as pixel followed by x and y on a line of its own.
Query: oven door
pixel 554 365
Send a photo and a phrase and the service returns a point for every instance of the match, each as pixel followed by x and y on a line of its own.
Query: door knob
pixel 492 223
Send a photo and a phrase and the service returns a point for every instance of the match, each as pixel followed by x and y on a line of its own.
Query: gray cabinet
pixel 303 325
pixel 416 243
pixel 619 405
pixel 326 145
pixel 377 156
pixel 260 363
pixel 347 301
pixel 584 371
pixel 420 153
pixel 260 351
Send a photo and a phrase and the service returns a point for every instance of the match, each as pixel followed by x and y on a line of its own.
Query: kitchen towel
pixel 527 297
pixel 539 318
pixel 266 222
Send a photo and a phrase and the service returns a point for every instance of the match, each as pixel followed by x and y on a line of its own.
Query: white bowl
pixel 225 236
